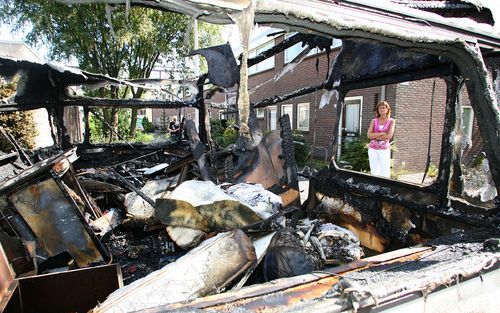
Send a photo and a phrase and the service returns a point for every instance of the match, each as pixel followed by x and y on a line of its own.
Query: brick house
pixel 410 101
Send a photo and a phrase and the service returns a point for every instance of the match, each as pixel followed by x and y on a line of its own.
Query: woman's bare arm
pixel 390 132
pixel 371 134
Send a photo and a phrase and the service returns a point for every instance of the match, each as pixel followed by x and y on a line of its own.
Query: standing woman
pixel 380 132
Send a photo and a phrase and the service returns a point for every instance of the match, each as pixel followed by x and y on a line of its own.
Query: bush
pixel 21 125
pixel 148 126
pixel 217 131
pixel 142 137
pixel 356 154
pixel 99 131
pixel 478 159
pixel 317 164
pixel 223 133
pixel 302 149
pixel 433 170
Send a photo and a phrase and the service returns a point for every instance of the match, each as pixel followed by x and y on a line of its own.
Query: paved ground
pixel 416 178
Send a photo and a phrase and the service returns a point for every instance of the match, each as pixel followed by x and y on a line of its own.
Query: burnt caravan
pixel 358 242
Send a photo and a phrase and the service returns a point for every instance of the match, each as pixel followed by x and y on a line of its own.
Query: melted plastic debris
pixel 339 244
pixel 263 202
pixel 327 96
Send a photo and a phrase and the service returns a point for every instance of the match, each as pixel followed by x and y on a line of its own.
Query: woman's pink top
pixel 378 144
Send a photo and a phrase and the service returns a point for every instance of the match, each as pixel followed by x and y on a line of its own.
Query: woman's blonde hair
pixel 388 108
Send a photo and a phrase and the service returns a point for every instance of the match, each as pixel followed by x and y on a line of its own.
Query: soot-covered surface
pixel 140 253
pixel 455 257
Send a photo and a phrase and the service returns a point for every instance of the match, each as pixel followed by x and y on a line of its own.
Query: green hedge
pixel 356 154
pixel 302 149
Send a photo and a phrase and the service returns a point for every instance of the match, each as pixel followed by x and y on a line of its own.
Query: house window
pixel 467 120
pixel 272 112
pixel 292 52
pixel 264 65
pixel 303 116
pixel 288 109
pixel 259 113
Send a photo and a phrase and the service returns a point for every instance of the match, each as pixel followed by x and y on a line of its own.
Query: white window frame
pixel 260 113
pixel 269 109
pixel 299 106
pixel 264 65
pixel 468 128
pixel 341 125
pixel 360 100
pixel 289 108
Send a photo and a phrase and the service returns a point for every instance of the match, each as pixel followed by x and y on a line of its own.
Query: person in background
pixel 380 132
pixel 174 129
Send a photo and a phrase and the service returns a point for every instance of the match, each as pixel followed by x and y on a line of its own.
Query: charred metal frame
pixel 421 200
pixel 486 116
pixel 416 205
pixel 46 87
pixel 456 53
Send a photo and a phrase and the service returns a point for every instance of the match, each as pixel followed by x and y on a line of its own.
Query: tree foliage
pixel 107 39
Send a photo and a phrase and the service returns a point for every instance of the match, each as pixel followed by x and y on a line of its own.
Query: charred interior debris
pixel 198 222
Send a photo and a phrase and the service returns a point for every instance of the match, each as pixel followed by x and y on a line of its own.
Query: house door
pixel 352 119
pixel 350 128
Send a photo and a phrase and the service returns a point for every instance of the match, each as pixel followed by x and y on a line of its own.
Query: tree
pixel 118 44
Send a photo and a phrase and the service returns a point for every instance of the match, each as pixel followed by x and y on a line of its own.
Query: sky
pixel 7 34
pixel 230 34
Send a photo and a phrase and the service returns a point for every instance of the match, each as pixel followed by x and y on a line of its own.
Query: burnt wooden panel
pixel 72 291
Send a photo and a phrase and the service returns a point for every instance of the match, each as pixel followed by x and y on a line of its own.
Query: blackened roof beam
pixel 312 41
pixel 367 82
pixel 361 60
pixel 447 8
